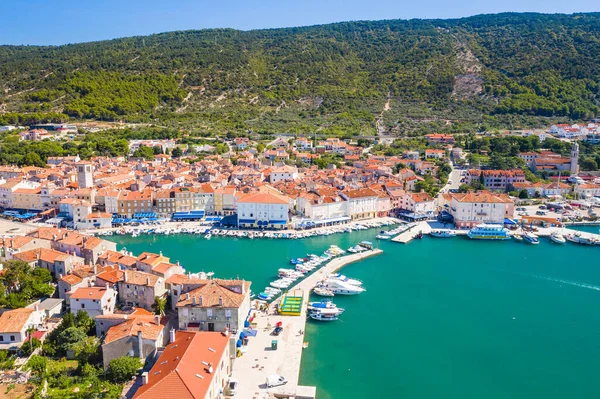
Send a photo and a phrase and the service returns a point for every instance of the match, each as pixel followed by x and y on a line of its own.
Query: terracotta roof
pixel 140 278
pixel 212 291
pixel 89 293
pixel 13 321
pixel 264 198
pixel 180 372
pixel 130 328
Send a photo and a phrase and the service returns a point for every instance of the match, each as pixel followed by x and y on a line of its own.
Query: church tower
pixel 84 175
pixel 575 159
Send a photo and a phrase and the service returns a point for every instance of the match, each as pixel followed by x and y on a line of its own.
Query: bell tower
pixel 575 159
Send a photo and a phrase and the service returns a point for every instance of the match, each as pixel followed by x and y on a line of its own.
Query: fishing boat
pixel 488 232
pixel 323 291
pixel 557 238
pixel 323 304
pixel 531 238
pixel 329 311
pixel 323 317
pixel 443 233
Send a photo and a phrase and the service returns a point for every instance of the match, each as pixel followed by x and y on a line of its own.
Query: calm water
pixel 446 318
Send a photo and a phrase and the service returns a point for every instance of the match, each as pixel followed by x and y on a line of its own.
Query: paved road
pixel 453 180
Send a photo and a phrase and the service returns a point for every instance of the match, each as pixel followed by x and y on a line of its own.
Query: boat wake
pixel 572 283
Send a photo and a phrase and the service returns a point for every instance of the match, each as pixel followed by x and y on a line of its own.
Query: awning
pixel 246 221
pixel 509 221
pixel 277 221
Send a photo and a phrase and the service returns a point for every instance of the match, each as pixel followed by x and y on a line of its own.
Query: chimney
pixel 125 276
pixel 144 378
pixel 147 280
pixel 36 307
pixel 140 345
pixel 107 285
pixel 193 301
pixel 95 269
pixel 187 296
pixel 172 336
pixel 157 320
pixel 220 300
pixel 200 300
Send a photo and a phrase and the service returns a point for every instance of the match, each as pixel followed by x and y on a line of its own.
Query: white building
pixel 14 325
pixel 469 209
pixel 417 203
pixel 317 207
pixel 588 190
pixel 94 301
pixel 263 210
pixel 362 204
pixel 285 172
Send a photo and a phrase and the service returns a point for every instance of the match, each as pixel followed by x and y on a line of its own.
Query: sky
pixel 54 22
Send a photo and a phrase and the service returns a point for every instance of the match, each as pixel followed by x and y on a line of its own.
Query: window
pixel 1 338
pixel 12 337
pixel 83 306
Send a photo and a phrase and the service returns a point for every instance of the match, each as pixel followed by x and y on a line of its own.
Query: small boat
pixel 443 233
pixel 323 317
pixel 323 304
pixel 329 311
pixel 271 290
pixel 323 291
pixel 418 236
pixel 531 238
pixel 518 237
pixel 383 237
pixel 557 238
pixel 208 236
pixel 265 296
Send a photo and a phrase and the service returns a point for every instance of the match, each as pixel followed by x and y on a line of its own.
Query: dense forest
pixel 395 76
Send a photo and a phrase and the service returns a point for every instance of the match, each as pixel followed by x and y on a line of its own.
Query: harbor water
pixel 449 318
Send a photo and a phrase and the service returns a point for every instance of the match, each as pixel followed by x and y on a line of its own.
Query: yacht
pixel 341 287
pixel 443 233
pixel 531 238
pixel 323 291
pixel 557 238
pixel 341 277
pixel 488 232
pixel 578 239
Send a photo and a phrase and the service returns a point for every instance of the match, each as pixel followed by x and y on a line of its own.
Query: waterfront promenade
pixel 259 361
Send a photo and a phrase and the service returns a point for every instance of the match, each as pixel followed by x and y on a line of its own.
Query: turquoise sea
pixel 441 318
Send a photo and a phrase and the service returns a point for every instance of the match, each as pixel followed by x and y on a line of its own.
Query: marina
pixel 419 276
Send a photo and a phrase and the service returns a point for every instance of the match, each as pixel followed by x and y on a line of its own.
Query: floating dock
pixel 408 235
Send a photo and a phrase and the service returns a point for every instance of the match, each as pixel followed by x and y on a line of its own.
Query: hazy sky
pixel 71 21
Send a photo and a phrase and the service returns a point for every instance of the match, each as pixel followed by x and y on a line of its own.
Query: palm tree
pixel 160 306
pixel 30 332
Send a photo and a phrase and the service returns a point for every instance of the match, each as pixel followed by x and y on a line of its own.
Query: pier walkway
pixel 259 361
pixel 408 235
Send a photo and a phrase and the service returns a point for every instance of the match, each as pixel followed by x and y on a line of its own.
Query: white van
pixel 276 380
pixel 232 387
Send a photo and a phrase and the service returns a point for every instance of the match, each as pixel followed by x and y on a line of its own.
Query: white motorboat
pixel 443 233
pixel 323 291
pixel 323 304
pixel 579 239
pixel 329 311
pixel 272 290
pixel 341 277
pixel 557 238
pixel 518 237
pixel 383 237
pixel 208 236
pixel 341 287
pixel 531 238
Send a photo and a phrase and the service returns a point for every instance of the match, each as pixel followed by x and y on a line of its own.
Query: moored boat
pixel 323 304
pixel 443 233
pixel 531 238
pixel 323 317
pixel 557 238
pixel 323 291
pixel 488 232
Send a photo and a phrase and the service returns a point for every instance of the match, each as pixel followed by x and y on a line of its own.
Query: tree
pixel 144 152
pixel 84 322
pixel 121 369
pixel 33 159
pixel 177 152
pixel 37 364
pixel 523 194
pixel 260 148
pixel 160 305
pixel 86 350
pixel 589 164
pixel 69 338
pixel 463 188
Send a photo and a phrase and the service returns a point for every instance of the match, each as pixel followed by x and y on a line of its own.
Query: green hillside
pixel 488 70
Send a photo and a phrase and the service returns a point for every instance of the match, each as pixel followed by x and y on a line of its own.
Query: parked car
pixel 542 206
pixel 541 213
pixel 232 386
pixel 277 330
pixel 276 380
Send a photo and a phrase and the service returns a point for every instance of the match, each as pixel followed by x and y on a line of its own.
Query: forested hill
pixel 352 77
